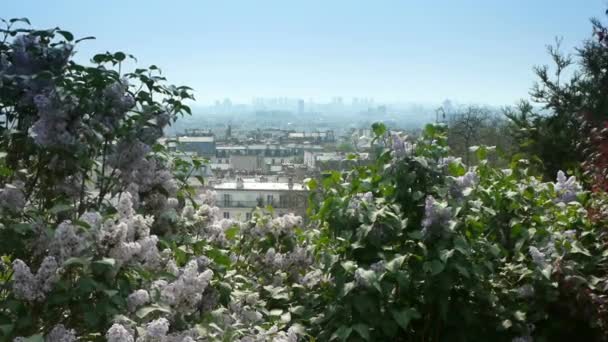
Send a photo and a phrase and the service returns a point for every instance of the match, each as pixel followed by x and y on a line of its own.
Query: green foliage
pixel 393 281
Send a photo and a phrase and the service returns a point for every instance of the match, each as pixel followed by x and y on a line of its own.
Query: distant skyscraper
pixel 300 106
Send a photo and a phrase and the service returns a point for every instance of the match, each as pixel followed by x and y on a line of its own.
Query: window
pixel 226 215
pixel 272 161
pixel 269 200
pixel 248 216
pixel 283 201
pixel 226 200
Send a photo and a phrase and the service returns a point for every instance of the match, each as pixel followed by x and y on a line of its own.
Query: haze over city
pixel 393 51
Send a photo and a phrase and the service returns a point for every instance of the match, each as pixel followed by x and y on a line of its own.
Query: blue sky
pixel 478 51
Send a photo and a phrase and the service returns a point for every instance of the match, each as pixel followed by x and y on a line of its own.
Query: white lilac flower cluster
pixel 359 202
pixel 34 287
pixel 363 277
pixel 567 188
pixel 68 241
pixel 117 101
pixel 154 331
pixel 278 226
pixel 142 175
pixel 437 218
pixel 55 126
pixel 137 299
pixel 400 146
pixel 525 291
pixel 185 294
pixel 445 162
pixel 198 222
pixel 463 185
pixel 291 262
pixel 30 56
pixel 208 197
pixel 128 238
pixel 58 334
pixel 539 258
pixel 312 279
pixel 125 238
pixel 12 197
pixel 245 309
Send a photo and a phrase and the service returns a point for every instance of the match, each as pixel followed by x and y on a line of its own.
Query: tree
pixel 465 129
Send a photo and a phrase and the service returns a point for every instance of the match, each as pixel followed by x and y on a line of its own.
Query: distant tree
pixel 345 147
pixel 465 130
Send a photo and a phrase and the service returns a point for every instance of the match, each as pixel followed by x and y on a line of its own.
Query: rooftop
pixel 195 139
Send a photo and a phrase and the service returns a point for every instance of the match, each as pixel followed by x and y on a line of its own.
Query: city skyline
pixel 469 51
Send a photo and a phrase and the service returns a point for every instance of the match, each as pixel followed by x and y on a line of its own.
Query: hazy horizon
pixel 395 52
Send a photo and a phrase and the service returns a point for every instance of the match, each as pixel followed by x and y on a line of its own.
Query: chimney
pixel 290 183
pixel 239 183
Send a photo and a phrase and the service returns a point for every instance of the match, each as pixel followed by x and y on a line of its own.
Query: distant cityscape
pixel 295 114
pixel 260 154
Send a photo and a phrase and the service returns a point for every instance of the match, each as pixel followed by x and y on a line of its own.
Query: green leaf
pixel 67 35
pixel 110 293
pixel 297 310
pixel 349 266
pixel 105 262
pixel 231 232
pixel 342 333
pixel 346 289
pixel 577 248
pixel 219 256
pixel 24 20
pixel 145 311
pixel 58 208
pixel 362 330
pixel 395 264
pixel 456 169
pixel 371 278
pixel 91 318
pixel 34 338
pixel 403 317
pixel 120 56
pixel 445 254
pixel 22 228
pixel 434 267
pixel 275 312
pixel 6 329
pixel 286 318
pixel 379 129
pixel 84 38
pixel 75 261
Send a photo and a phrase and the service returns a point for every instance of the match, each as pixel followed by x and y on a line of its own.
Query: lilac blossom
pixel 12 196
pixel 137 299
pixel 567 188
pixel 437 218
pixel 538 257
pixel 32 287
pixel 157 328
pixel 464 184
pixel 60 334
pixel 186 292
pixel 118 333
